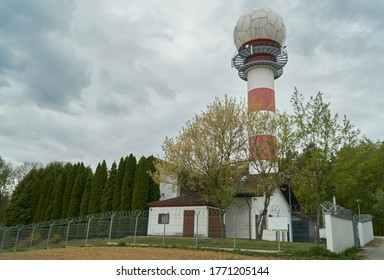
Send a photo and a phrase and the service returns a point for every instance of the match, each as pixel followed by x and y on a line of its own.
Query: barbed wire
pixel 120 224
pixel 330 208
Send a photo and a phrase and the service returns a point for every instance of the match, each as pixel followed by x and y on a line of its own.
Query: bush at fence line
pixel 36 239
pixel 56 238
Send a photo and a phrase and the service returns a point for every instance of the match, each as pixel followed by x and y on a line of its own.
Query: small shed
pixel 185 215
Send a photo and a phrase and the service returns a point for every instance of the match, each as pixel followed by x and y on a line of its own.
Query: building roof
pixel 192 199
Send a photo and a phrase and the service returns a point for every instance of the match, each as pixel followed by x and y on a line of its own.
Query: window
pixel 163 218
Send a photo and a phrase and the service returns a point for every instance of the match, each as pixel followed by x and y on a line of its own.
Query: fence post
pixel 89 223
pixel 2 242
pixel 234 228
pixel 137 218
pixel 49 232
pixel 110 228
pixel 197 228
pixel 17 237
pixel 3 229
pixel 33 234
pixel 66 237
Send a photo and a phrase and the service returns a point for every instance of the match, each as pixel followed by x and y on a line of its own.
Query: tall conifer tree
pixel 77 191
pixel 153 188
pixel 141 186
pixel 68 189
pixel 118 184
pixel 107 197
pixel 57 203
pixel 86 195
pixel 127 189
pixel 98 185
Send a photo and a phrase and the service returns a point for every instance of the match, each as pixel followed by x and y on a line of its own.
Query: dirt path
pixel 122 253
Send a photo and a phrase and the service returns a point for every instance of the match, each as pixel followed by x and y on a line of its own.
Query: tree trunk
pixel 222 224
pixel 318 220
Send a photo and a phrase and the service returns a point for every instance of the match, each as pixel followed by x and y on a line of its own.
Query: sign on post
pixel 278 224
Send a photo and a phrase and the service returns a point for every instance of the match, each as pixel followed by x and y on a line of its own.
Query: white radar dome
pixel 259 23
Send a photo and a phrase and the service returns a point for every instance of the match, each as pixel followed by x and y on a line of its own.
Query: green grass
pixel 288 250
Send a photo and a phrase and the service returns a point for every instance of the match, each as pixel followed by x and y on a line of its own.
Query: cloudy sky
pixel 88 80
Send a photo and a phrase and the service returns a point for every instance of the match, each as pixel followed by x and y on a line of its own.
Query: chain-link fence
pixel 95 229
pixel 173 226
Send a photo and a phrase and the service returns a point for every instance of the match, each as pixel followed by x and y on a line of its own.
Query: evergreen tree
pixel 98 185
pixel 107 197
pixel 118 184
pixel 127 189
pixel 51 173
pixel 154 188
pixel 68 189
pixel 86 195
pixel 141 186
pixel 5 176
pixel 21 206
pixel 77 191
pixel 39 215
pixel 57 203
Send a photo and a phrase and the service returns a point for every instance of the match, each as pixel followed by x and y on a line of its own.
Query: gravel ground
pixel 122 253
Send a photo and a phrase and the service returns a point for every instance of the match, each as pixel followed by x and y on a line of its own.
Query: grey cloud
pixel 39 53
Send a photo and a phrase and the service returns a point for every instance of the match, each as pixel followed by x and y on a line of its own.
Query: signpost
pixel 278 224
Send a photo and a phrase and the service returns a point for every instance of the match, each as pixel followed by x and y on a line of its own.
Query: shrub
pixel 56 238
pixel 36 238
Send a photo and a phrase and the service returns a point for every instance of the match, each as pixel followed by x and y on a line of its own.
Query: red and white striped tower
pixel 259 38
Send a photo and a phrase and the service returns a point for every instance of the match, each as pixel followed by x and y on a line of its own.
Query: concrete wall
pixel 365 232
pixel 339 232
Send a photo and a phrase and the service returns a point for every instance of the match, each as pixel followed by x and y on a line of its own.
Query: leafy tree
pixel 119 184
pixel 107 197
pixel 270 144
pixel 140 186
pixel 19 171
pixel 208 153
pixel 5 176
pixel 319 136
pixel 364 181
pixel 128 181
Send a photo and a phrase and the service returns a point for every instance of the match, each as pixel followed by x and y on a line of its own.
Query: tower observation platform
pixel 260 52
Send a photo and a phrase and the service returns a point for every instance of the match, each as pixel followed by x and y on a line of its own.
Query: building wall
pixel 169 190
pixel 176 220
pixel 237 218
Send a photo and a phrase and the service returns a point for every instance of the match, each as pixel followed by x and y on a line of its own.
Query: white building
pixel 179 213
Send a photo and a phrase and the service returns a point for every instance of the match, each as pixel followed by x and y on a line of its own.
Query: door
pixel 189 223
